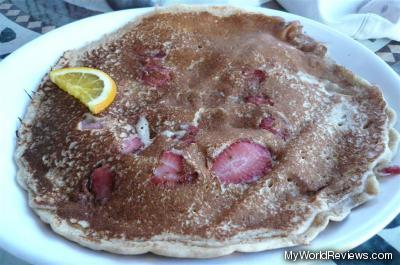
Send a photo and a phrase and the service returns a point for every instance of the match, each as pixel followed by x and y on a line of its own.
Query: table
pixel 24 20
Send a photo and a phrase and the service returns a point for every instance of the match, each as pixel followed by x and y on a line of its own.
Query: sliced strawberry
pixel 171 161
pixel 167 179
pixel 152 58
pixel 170 170
pixel 155 75
pixel 259 100
pixel 268 123
pixel 391 171
pixel 131 144
pixel 172 179
pixel 242 162
pixel 191 132
pixel 144 52
pixel 102 183
pixel 160 54
pixel 254 78
pixel 257 75
pixel 90 123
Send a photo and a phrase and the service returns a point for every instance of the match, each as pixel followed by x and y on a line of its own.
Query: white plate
pixel 22 234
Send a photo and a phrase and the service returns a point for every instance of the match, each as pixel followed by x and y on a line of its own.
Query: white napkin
pixel 359 19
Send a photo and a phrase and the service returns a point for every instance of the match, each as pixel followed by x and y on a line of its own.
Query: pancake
pixel 231 131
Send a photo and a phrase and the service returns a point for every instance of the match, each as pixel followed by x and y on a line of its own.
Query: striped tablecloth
pixel 24 20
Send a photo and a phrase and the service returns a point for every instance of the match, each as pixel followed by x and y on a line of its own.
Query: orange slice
pixel 94 88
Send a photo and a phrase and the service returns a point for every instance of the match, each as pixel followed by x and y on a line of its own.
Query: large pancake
pixel 220 70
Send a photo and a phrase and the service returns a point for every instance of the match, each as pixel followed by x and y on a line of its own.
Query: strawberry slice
pixel 268 123
pixel 257 75
pixel 165 178
pixel 131 144
pixel 156 75
pixel 391 171
pixel 171 162
pixel 242 162
pixel 191 132
pixel 144 54
pixel 170 170
pixel 152 58
pixel 102 183
pixel 90 123
pixel 259 100
pixel 153 73
pixel 254 78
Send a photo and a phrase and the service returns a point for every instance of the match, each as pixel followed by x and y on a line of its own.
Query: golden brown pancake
pixel 231 131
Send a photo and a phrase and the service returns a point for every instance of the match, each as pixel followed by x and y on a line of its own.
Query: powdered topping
pixel 242 162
